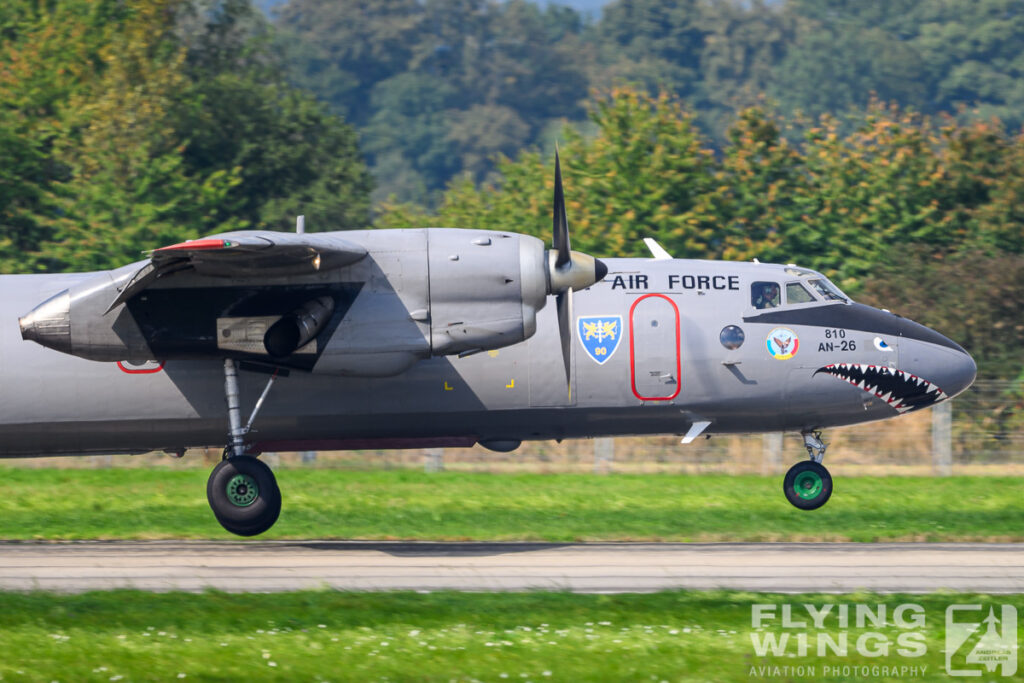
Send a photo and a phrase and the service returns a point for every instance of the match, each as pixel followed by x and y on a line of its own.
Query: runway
pixel 268 566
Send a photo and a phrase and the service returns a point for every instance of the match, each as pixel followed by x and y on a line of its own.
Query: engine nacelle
pixel 72 321
pixel 417 294
pixel 485 289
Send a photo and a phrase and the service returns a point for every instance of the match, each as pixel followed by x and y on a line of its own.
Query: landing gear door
pixel 654 339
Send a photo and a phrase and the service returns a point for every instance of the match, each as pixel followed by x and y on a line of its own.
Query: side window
pixel 796 293
pixel 765 295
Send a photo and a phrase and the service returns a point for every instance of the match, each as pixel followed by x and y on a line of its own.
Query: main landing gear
pixel 242 490
pixel 808 485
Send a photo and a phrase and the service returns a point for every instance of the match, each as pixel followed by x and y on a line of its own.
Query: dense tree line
pixel 877 142
pixel 438 87
pixel 908 212
pixel 126 126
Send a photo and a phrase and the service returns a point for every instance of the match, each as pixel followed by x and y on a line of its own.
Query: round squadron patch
pixel 782 343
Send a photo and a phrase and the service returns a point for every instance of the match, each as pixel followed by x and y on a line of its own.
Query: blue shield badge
pixel 599 335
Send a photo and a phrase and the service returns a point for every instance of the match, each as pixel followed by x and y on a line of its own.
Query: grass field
pixel 403 504
pixel 315 636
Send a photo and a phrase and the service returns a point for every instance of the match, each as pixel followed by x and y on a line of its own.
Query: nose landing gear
pixel 242 490
pixel 808 485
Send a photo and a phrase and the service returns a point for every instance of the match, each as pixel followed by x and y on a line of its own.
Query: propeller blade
pixel 560 223
pixel 563 303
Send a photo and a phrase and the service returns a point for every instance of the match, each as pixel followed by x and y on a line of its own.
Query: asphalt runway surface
pixel 266 566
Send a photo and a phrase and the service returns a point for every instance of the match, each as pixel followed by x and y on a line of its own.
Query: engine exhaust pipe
pixel 298 328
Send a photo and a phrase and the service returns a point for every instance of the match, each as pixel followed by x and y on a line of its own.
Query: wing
pixel 256 253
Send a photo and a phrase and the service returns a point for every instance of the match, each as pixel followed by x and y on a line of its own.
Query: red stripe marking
pixel 140 371
pixel 208 243
pixel 632 353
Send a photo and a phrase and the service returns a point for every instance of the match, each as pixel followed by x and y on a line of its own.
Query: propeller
pixel 567 270
pixel 560 224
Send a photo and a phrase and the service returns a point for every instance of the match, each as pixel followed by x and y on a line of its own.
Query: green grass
pixel 309 636
pixel 402 504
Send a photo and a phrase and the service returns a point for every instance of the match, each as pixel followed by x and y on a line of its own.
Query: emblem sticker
pixel 599 335
pixel 782 343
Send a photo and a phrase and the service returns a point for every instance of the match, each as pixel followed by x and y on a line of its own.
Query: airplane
pixel 439 337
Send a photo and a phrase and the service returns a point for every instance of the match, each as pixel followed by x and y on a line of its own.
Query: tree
pixel 131 125
pixel 437 88
pixel 47 54
pixel 643 175
pixel 128 185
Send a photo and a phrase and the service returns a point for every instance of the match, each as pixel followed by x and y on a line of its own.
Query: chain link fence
pixel 979 432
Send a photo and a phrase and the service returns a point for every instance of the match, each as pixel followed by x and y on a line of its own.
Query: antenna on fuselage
pixel 657 251
pixel 300 225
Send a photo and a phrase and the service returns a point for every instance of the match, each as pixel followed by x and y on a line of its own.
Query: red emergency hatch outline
pixel 632 354
pixel 140 371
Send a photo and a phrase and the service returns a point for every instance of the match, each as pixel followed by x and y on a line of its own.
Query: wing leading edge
pixel 256 253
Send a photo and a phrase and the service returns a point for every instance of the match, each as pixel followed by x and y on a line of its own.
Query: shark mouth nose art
pixel 901 390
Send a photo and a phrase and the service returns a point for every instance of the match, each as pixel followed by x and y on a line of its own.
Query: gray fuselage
pixel 649 356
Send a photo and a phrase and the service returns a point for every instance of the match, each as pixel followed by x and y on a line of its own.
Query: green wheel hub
pixel 808 485
pixel 242 490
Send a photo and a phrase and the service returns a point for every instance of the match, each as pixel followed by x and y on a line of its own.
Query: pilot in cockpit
pixel 765 295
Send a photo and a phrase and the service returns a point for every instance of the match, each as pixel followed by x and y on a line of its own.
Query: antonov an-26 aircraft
pixel 442 337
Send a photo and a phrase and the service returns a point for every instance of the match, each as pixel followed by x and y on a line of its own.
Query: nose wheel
pixel 808 485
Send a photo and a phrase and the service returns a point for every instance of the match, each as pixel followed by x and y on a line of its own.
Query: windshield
pixel 796 293
pixel 827 290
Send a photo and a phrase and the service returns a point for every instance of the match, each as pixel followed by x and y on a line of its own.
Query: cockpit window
pixel 796 293
pixel 798 272
pixel 827 290
pixel 765 295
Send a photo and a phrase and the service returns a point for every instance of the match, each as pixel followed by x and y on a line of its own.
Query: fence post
pixel 771 453
pixel 604 453
pixel 433 460
pixel 942 439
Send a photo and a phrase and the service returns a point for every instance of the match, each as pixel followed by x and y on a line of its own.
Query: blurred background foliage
pixel 877 142
pixel 125 125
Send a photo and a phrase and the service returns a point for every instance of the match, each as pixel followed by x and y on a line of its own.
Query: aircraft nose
pixel 952 370
pixel 959 372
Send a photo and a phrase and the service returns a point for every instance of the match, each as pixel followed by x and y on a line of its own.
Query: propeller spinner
pixel 567 270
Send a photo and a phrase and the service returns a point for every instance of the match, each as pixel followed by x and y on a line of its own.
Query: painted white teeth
pixel 861 375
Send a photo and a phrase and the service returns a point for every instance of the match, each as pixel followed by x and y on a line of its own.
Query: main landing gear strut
pixel 242 490
pixel 808 484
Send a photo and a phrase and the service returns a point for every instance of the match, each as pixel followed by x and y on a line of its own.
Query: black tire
pixel 240 509
pixel 807 485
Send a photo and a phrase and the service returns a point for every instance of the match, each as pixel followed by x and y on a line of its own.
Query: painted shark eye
pixel 731 337
pixel 881 345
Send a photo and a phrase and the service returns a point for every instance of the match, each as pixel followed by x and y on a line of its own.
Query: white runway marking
pixel 265 566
